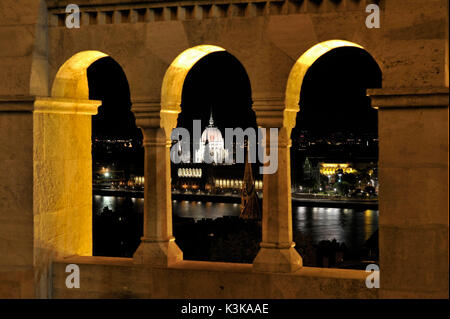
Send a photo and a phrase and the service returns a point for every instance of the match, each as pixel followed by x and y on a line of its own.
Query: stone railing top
pixel 335 273
pixel 216 279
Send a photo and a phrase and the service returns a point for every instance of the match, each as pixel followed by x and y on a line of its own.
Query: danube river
pixel 350 226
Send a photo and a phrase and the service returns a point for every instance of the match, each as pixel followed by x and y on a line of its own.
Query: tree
pixel 350 178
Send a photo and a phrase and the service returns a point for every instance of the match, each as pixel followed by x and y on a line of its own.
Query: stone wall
pixel 19 22
pixel 16 200
pixel 413 172
pixel 18 33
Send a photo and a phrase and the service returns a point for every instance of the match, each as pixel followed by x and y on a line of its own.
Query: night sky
pixel 333 95
pixel 108 83
pixel 218 82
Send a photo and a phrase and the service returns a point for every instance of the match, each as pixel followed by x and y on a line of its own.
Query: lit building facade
pixel 211 144
pixel 333 168
pixel 211 178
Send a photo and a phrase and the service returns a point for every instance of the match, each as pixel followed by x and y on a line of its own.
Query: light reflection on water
pixel 350 226
pixel 199 210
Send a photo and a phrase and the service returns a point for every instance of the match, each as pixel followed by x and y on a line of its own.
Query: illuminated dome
pixel 211 134
pixel 211 138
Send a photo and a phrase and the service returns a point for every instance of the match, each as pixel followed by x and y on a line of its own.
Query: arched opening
pixel 117 163
pixel 173 81
pixel 211 85
pixel 62 188
pixel 63 127
pixel 334 155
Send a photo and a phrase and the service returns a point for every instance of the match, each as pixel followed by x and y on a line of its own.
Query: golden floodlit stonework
pixel 45 141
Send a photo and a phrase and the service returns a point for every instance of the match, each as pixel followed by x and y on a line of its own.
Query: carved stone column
pixel 62 187
pixel 277 253
pixel 158 247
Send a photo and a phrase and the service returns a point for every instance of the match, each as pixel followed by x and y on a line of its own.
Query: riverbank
pixel 235 198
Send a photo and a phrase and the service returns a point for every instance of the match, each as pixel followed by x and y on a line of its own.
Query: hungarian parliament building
pixel 212 175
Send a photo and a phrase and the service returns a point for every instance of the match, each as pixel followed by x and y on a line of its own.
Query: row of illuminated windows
pixel 190 172
pixel 234 183
pixel 139 180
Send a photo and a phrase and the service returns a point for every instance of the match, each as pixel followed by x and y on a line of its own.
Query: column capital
pixel 59 105
pixel 147 113
pixel 150 115
pixel 269 111
pixel 272 112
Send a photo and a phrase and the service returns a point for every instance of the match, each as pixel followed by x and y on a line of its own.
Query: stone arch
pixel 157 120
pixel 299 70
pixel 172 86
pixel 277 211
pixel 174 79
pixel 71 79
